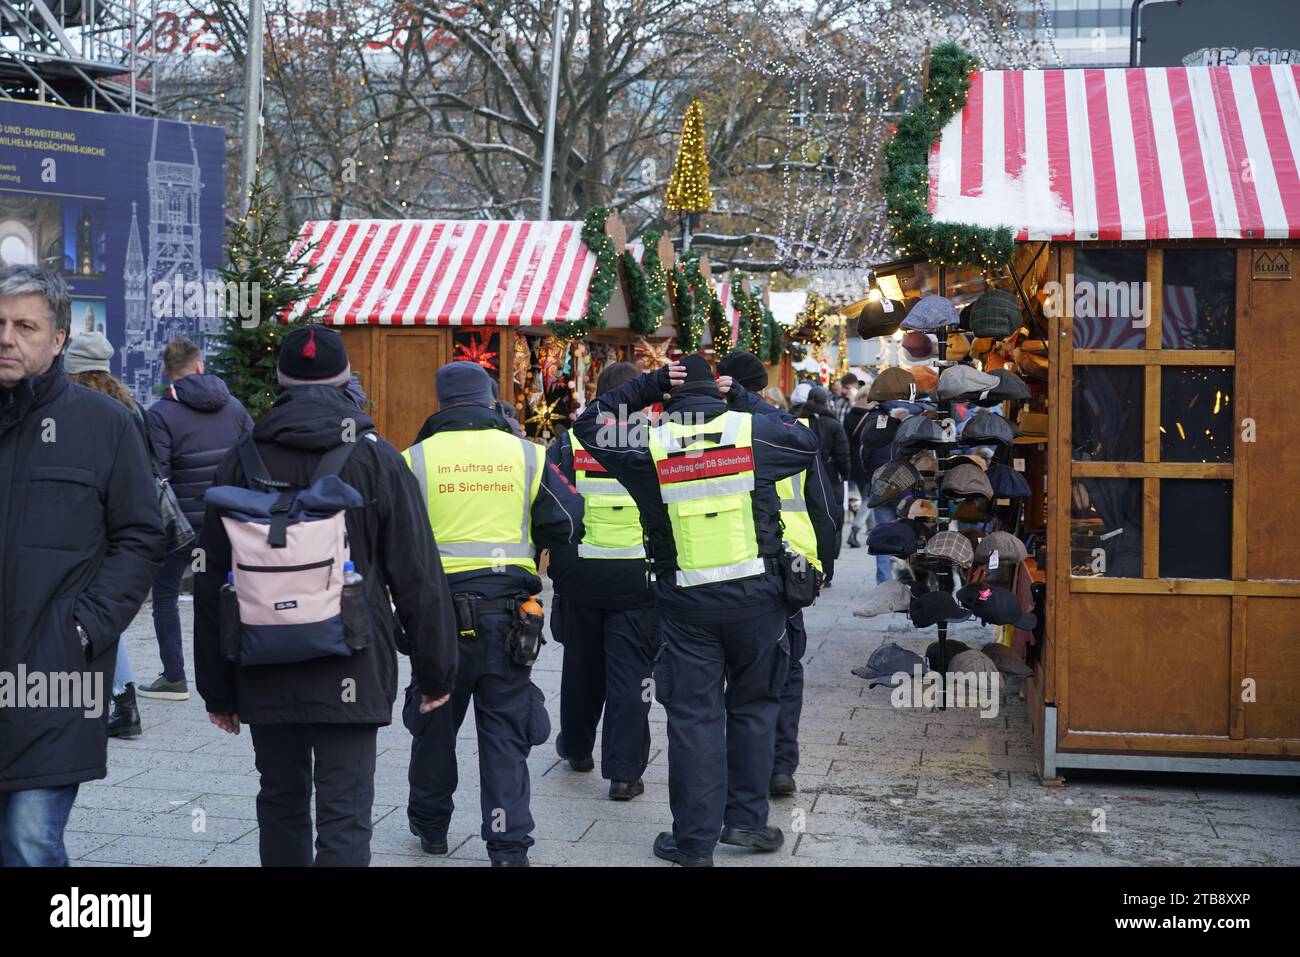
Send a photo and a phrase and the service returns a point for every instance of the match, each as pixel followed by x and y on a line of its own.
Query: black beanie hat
pixel 745 368
pixel 463 383
pixel 697 369
pixel 313 355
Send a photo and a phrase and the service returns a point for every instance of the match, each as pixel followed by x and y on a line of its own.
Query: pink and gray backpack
pixel 288 549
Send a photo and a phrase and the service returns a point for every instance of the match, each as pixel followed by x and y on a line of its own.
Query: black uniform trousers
pixel 721 686
pixel 787 722
pixel 608 660
pixel 510 718
pixel 340 760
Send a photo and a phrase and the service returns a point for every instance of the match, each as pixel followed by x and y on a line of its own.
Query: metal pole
pixel 135 33
pixel 548 155
pixel 252 103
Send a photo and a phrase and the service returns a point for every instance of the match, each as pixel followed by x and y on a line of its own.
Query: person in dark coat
pixel 732 630
pixel 834 445
pixel 605 617
pixel 192 427
pixel 80 539
pixel 317 721
pixel 857 421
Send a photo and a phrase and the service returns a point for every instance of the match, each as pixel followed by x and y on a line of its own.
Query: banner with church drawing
pixel 122 206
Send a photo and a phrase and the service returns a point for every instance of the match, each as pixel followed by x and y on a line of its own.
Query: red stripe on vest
pixel 583 462
pixel 687 466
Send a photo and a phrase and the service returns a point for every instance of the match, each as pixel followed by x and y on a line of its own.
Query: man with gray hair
pixel 80 539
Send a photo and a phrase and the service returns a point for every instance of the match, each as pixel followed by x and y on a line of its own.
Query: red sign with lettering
pixel 583 462
pixel 687 466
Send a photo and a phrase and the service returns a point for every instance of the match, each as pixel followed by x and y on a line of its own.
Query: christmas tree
pixel 688 189
pixel 262 258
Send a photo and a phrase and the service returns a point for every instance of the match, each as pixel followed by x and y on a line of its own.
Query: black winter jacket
pixel 192 427
pixel 782 448
pixel 391 546
pixel 80 538
pixel 556 513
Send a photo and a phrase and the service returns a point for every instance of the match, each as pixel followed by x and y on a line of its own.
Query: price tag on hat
pixel 1018 465
pixel 880 422
pixel 993 560
pixel 886 304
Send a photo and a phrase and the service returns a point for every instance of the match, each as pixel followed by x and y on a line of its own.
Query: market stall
pixel 1155 215
pixel 540 305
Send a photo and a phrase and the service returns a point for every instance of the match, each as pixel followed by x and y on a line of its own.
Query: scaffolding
pixel 94 54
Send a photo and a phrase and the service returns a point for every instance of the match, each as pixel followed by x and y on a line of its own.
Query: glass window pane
pixel 1199 299
pixel 1109 299
pixel 1108 413
pixel 1106 528
pixel 1195 528
pixel 1196 422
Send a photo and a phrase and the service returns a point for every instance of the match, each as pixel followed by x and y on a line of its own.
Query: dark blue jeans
pixel 166 613
pixel 32 824
pixel 787 721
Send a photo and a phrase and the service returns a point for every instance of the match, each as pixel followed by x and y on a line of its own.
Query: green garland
pixel 907 181
pixel 690 330
pixel 641 319
pixel 603 280
pixel 776 345
pixel 656 276
pixel 719 326
pixel 702 299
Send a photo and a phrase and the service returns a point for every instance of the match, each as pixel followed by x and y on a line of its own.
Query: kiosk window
pixel 1108 413
pixel 1195 528
pixel 1199 299
pixel 1196 421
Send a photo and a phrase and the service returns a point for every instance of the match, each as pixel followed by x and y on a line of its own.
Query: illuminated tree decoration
pixel 690 328
pixel 476 351
pixel 688 189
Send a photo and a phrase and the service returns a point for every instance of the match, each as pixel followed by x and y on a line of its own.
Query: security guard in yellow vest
pixel 704 480
pixel 492 503
pixel 809 529
pixel 605 617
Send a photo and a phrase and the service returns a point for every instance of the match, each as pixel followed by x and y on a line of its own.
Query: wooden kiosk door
pixel 1176 563
pixel 408 361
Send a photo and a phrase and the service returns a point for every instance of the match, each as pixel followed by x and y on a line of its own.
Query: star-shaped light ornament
pixel 476 351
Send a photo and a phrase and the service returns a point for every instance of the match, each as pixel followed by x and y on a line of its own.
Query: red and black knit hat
pixel 313 355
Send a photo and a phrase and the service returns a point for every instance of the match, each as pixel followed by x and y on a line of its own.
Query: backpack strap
pixel 332 462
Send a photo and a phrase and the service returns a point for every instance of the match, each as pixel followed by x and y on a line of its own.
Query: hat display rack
pixel 944 576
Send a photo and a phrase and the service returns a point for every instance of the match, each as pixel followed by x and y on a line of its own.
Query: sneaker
pixel 166 690
pixel 124 721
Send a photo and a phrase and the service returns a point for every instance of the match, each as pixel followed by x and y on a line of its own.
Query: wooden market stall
pixel 1161 209
pixel 409 296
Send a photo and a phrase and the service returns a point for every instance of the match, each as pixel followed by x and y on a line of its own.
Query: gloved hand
pixel 669 377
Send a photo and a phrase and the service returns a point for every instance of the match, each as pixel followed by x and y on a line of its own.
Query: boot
pixel 124 721
pixel 853 538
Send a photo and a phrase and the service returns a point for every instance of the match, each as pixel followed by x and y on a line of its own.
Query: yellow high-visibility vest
pixel 799 532
pixel 479 486
pixel 611 521
pixel 706 481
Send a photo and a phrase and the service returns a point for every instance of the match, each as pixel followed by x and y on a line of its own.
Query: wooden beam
pixel 1155 305
pixel 1237 668
pixel 1184 586
pixel 1191 470
pixel 1154 357
pixel 1151 528
pixel 1136 742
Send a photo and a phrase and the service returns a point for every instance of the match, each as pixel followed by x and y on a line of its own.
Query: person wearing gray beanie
pixel 463 383
pixel 88 352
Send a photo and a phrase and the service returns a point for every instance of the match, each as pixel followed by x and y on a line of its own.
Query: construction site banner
pixel 131 211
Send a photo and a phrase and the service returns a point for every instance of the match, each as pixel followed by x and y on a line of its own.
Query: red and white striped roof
pixel 1167 153
pixel 449 272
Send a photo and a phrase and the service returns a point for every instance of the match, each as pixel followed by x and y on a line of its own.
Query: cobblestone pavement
pixel 878 785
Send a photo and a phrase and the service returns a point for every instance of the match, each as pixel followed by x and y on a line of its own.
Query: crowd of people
pixel 683 544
